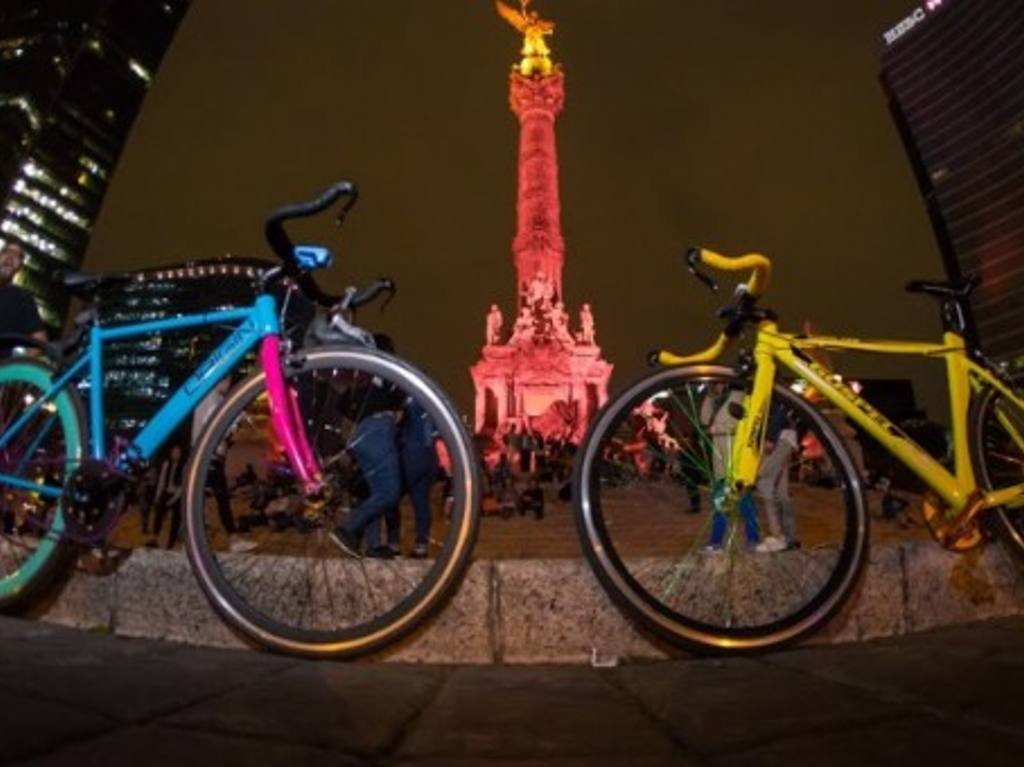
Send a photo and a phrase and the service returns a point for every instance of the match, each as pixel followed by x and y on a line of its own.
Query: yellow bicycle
pixel 724 508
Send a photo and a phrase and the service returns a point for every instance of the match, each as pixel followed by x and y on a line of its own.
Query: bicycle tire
pixel 998 461
pixel 33 551
pixel 647 551
pixel 347 623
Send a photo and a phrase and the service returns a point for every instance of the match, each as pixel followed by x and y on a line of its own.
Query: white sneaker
pixel 770 544
pixel 240 545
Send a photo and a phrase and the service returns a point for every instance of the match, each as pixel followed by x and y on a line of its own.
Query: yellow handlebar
pixel 710 354
pixel 761 266
pixel 755 287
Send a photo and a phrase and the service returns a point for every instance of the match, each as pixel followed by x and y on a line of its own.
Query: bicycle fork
pixel 286 418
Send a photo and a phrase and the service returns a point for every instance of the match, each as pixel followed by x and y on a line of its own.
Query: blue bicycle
pixel 319 434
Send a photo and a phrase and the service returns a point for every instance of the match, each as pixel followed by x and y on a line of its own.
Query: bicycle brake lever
pixel 692 259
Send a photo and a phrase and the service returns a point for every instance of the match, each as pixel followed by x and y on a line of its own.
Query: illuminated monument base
pixel 539 381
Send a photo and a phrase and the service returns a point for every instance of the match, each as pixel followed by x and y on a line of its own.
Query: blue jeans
pixel 376 453
pixel 419 470
pixel 719 524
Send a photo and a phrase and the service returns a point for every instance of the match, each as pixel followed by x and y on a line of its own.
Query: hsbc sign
pixel 920 14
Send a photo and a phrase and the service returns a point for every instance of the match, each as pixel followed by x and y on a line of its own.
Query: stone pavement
pixel 951 696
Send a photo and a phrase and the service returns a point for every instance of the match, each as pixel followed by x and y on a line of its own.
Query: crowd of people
pixel 515 482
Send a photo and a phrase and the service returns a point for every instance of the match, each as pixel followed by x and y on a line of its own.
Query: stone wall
pixel 550 611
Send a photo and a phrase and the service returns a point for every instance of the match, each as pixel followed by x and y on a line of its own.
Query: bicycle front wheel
pixel 38 458
pixel 267 556
pixel 688 556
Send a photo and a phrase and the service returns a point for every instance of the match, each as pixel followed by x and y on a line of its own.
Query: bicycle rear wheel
pixel 695 562
pixel 280 579
pixel 997 452
pixel 41 454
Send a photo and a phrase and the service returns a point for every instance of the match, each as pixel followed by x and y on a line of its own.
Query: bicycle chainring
pixel 92 502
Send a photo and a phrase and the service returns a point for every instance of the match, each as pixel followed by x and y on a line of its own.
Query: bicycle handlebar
pixel 757 263
pixel 744 311
pixel 356 298
pixel 283 246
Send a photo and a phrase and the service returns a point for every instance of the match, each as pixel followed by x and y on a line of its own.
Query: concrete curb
pixel 551 611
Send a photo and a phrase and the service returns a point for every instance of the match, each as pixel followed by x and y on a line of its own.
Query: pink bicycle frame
pixel 286 417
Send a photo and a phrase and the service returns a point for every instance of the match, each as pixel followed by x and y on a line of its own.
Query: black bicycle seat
pixel 944 289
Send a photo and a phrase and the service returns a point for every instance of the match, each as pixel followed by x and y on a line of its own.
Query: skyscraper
pixel 73 75
pixel 954 73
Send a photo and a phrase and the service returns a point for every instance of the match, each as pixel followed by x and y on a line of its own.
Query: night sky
pixel 739 125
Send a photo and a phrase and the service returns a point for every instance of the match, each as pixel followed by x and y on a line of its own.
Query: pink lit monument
pixel 536 372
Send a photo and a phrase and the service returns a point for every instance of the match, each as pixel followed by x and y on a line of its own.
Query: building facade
pixel 73 75
pixel 954 74
pixel 541 374
pixel 141 373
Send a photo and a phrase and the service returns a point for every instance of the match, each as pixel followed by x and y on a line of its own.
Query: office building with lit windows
pixel 954 74
pixel 140 374
pixel 73 75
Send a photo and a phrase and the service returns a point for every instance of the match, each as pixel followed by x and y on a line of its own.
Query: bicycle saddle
pixel 85 284
pixel 944 289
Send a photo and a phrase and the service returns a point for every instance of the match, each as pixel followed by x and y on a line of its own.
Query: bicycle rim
pixel 692 560
pixel 295 590
pixel 44 451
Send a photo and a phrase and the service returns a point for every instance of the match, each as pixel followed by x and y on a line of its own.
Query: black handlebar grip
pixel 276 236
pixel 692 260
pixel 653 359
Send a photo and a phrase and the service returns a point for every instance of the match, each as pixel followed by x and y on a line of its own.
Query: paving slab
pixel 130 681
pixel 30 726
pixel 724 704
pixel 950 696
pixel 168 747
pixel 968 682
pixel 362 708
pixel 551 712
pixel 918 740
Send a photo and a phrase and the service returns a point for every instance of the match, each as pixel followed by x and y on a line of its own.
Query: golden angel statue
pixel 536 54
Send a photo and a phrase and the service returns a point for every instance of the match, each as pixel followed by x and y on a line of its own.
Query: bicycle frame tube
pixel 257 322
pixel 963 374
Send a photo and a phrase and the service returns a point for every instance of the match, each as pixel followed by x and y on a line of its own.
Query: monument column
pixel 538 245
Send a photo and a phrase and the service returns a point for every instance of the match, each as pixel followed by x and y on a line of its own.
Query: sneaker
pixel 345 541
pixel 713 548
pixel 770 545
pixel 419 551
pixel 240 545
pixel 396 549
pixel 380 552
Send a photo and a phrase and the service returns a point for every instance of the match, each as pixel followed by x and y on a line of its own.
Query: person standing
pixel 18 311
pixel 781 444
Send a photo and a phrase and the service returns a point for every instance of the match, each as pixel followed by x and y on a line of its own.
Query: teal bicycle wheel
pixel 41 454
